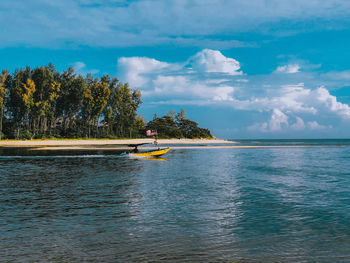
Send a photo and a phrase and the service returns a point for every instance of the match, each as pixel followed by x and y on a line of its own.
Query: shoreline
pixel 126 148
pixel 105 142
pixel 123 144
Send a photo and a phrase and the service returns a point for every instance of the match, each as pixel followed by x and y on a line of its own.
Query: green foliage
pixel 178 127
pixel 43 103
pixel 121 113
pixel 3 97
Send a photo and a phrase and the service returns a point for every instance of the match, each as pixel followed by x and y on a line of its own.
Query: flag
pixel 151 133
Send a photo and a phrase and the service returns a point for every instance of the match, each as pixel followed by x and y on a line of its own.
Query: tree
pixel 138 127
pixel 41 101
pixel 70 99
pixel 18 95
pixel 95 98
pixel 124 104
pixel 165 126
pixel 168 127
pixel 190 129
pixel 3 94
pixel 45 98
pixel 101 94
pixel 27 98
pixel 171 114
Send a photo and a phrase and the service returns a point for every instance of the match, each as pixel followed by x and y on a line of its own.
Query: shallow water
pixel 200 205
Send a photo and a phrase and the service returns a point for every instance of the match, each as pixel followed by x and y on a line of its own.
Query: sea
pixel 258 204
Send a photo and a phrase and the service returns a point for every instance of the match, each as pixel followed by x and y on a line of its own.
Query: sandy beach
pixel 123 144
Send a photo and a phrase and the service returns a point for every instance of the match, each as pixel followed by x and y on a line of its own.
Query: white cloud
pixel 80 68
pixel 289 69
pixel 261 127
pixel 298 125
pixel 210 78
pixel 294 98
pixel 288 98
pixel 338 75
pixel 214 61
pixel 331 103
pixel 297 99
pixel 135 69
pixel 278 121
pixel 313 125
pixel 158 79
pixel 170 85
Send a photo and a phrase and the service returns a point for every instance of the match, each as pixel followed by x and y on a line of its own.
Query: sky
pixel 257 69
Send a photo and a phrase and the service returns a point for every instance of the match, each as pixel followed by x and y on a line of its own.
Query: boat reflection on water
pixel 155 158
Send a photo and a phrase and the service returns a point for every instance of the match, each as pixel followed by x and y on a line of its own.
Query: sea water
pixel 198 205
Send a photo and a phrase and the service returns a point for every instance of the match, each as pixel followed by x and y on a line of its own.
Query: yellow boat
pixel 153 153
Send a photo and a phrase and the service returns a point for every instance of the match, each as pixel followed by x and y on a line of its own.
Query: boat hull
pixel 151 153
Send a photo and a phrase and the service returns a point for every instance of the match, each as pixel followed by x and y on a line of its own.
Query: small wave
pixel 131 156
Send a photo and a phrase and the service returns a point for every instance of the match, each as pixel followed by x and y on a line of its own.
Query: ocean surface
pixel 197 205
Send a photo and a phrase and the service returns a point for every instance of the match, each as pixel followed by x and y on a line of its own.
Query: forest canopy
pixel 44 103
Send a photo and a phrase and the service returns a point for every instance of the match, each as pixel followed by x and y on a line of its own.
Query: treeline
pixel 177 126
pixel 44 103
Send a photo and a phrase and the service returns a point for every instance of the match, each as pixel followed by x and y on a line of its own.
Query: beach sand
pixel 122 144
pixel 104 143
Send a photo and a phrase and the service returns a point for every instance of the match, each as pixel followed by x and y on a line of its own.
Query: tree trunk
pixel 50 126
pixel 2 115
pixel 96 135
pixel 89 129
pixel 38 125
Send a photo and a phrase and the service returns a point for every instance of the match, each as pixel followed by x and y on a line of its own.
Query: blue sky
pixel 244 69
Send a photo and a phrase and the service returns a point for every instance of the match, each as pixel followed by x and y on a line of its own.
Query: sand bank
pixel 125 148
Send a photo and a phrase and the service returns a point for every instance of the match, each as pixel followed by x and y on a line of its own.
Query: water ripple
pixel 228 205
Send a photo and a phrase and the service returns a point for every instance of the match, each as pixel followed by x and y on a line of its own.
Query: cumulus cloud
pixel 331 103
pixel 278 119
pixel 202 76
pixel 135 69
pixel 298 125
pixel 294 99
pixel 313 125
pixel 214 61
pixel 277 122
pixel 210 78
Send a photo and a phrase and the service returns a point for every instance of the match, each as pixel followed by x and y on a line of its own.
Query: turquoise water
pixel 199 205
